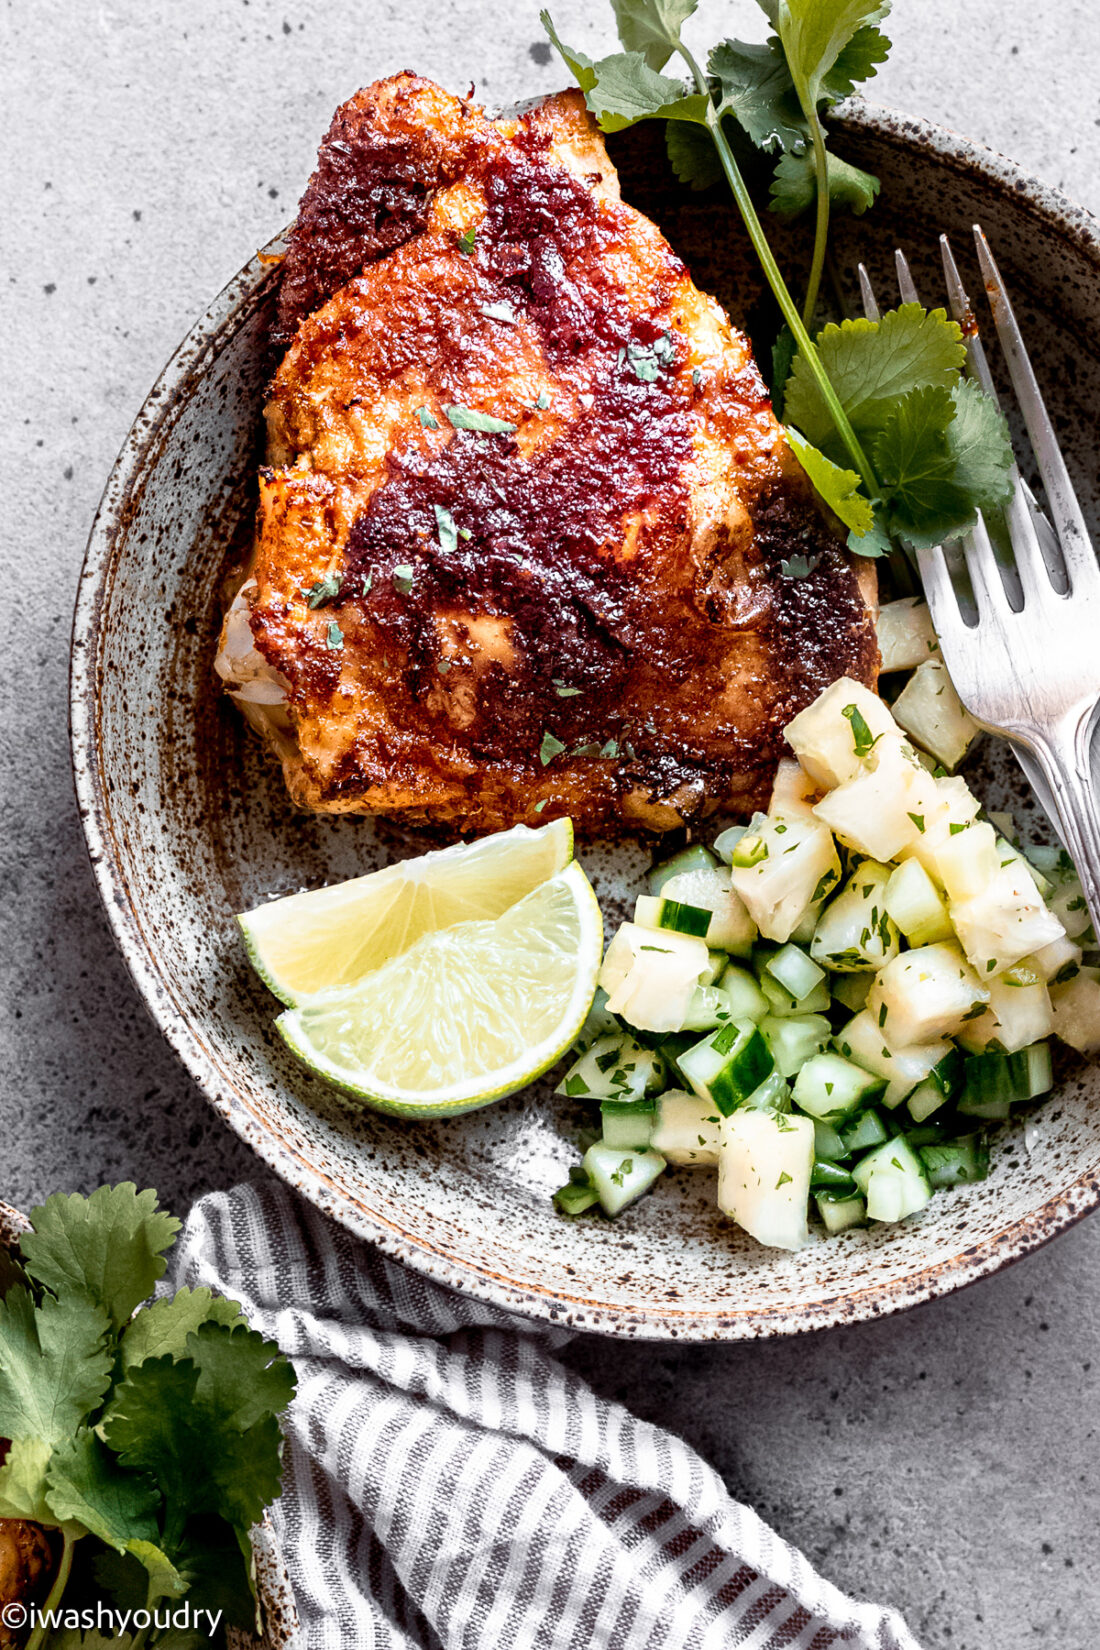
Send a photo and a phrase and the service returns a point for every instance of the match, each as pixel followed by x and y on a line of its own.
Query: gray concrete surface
pixel 944 1461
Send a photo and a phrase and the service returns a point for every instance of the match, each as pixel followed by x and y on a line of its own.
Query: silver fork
pixel 1030 672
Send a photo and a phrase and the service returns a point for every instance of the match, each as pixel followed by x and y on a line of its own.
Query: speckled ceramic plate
pixel 278 1614
pixel 187 823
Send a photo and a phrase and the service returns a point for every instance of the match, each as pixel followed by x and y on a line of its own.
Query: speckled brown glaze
pixel 280 1615
pixel 187 823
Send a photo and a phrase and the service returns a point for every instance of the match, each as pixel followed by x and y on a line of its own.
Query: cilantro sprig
pixel 893 437
pixel 150 1432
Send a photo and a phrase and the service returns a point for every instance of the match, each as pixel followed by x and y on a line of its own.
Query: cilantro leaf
pixel 580 67
pixel 876 541
pixel 86 1486
pixel 794 185
pixel 465 418
pixel 980 446
pixel 838 487
pixel 109 1247
pixel 216 1571
pixel 783 351
pixel 815 33
pixel 23 1481
pixel 692 155
pixel 755 85
pixel 164 1325
pixel 942 456
pixel 446 531
pixel 203 1462
pixel 241 1374
pixel 871 365
pixel 54 1364
pixel 325 590
pixel 652 27
pixel 626 90
pixel 857 61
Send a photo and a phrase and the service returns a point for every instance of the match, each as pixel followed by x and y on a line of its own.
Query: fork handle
pixel 1063 755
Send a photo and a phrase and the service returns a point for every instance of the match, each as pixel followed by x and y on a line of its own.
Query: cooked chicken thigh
pixel 526 536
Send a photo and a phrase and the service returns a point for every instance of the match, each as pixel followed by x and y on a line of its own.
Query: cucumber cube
pixel 831 1089
pixel 744 997
pixel 729 926
pixel 728 1065
pixel 686 1131
pixel 838 1214
pixel 925 1100
pixel 893 1180
pixel 827 1143
pixel 695 858
pixel 658 911
pixel 797 973
pixel 955 1162
pixel 863 1132
pixel 577 1195
pixel 828 1177
pixel 913 902
pixel 795 1039
pixel 621 1177
pixel 764 1167
pixel 627 1123
pixel 781 1005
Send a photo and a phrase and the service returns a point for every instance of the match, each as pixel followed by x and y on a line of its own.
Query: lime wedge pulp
pixel 466 1014
pixel 329 937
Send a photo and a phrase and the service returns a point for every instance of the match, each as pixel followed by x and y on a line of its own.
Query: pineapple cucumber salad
pixel 831 1005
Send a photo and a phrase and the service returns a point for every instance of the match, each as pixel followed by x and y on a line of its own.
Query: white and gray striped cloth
pixel 448 1483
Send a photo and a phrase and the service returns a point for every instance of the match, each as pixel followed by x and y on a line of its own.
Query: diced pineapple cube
pixel 855 931
pixel 796 870
pixel 824 739
pixel 650 976
pixel 793 791
pixel 1018 1015
pixel 1076 1006
pixel 947 806
pixel 875 813
pixel 764 1166
pixel 903 1065
pixel 905 634
pixel 686 1131
pixel 1004 923
pixel 1052 959
pixel 925 994
pixel 967 860
pixel 930 711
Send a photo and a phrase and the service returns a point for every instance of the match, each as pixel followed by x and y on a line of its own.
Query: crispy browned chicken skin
pixel 582 612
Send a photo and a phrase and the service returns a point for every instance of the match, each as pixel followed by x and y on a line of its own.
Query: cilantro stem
pixel 771 269
pixel 60 1582
pixel 821 229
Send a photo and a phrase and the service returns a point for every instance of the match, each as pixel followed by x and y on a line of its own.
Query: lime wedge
pixel 467 1014
pixel 333 936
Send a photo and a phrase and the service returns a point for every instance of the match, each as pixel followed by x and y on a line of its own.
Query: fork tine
pixel 867 295
pixel 1073 535
pixel 940 593
pixel 985 577
pixel 906 285
pixel 1033 540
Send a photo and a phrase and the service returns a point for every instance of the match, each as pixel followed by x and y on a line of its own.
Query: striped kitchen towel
pixel 449 1483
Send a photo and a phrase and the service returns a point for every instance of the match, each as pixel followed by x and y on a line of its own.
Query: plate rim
pixel 1058 214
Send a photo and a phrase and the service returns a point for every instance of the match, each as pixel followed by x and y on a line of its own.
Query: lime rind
pixel 580 968
pixel 331 937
